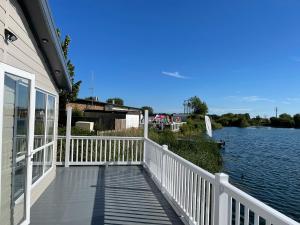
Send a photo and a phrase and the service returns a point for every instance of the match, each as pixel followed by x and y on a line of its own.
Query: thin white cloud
pixel 252 98
pixel 174 74
pixel 293 99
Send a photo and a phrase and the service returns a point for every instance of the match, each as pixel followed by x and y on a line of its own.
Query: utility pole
pixel 276 111
pixel 92 88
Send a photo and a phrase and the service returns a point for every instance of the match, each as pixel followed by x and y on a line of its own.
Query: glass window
pixel 44 134
pixel 40 117
pixel 48 157
pixel 37 165
pixel 50 118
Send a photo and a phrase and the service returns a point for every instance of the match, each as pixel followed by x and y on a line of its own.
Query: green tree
pixel 116 101
pixel 297 120
pixel 149 108
pixel 67 96
pixel 198 106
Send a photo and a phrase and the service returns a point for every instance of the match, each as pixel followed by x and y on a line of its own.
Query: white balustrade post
pixel 68 136
pixel 163 167
pixel 221 200
pixel 146 122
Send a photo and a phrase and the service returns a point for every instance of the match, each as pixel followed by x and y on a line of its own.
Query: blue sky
pixel 238 56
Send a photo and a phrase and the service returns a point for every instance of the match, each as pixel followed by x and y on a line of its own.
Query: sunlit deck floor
pixel 102 195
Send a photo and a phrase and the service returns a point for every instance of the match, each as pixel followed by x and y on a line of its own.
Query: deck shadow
pixel 103 195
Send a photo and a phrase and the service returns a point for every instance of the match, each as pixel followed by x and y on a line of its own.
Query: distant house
pixel 107 116
pixel 32 71
pixel 180 117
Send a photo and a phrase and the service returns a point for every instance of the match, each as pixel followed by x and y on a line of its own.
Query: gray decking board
pixel 102 195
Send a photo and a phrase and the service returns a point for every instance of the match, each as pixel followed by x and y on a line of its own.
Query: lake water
pixel 265 162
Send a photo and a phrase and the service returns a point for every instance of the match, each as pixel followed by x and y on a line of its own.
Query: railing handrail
pixel 257 206
pixel 103 137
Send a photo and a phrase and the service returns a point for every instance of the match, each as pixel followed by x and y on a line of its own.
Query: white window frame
pixel 4 68
pixel 52 143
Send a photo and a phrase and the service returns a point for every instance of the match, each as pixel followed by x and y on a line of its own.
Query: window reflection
pixel 50 118
pixel 48 157
pixel 37 165
pixel 40 117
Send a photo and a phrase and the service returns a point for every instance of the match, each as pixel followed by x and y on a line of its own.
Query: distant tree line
pixel 244 120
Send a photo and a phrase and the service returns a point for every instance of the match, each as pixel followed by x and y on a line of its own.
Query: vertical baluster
pixel 123 153
pixel 256 219
pixel 191 194
pixel 101 150
pixel 168 173
pixel 136 150
pixel 173 178
pixel 109 153
pixel 81 150
pixel 96 150
pixel 176 181
pixel 182 187
pixel 208 191
pixel 127 151
pixel 230 210
pixel 246 215
pixel 60 152
pixel 92 146
pixel 72 149
pixel 119 146
pixel 86 149
pixel 76 150
pixel 212 208
pixel 115 142
pixel 194 197
pixel 203 201
pixel 185 188
pixel 200 180
pixel 132 150
pixel 105 149
pixel 188 192
pixel 237 212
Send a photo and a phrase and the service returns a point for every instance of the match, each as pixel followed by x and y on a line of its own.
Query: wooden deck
pixel 102 195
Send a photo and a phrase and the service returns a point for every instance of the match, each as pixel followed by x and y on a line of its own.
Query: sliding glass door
pixel 15 149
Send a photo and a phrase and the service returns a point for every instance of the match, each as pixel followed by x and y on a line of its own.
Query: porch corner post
pixel 221 200
pixel 146 122
pixel 68 136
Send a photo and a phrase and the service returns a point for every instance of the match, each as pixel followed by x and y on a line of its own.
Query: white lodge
pixel 32 70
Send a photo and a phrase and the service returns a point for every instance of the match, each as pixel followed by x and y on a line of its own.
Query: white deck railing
pixel 100 150
pixel 201 197
pixel 204 198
